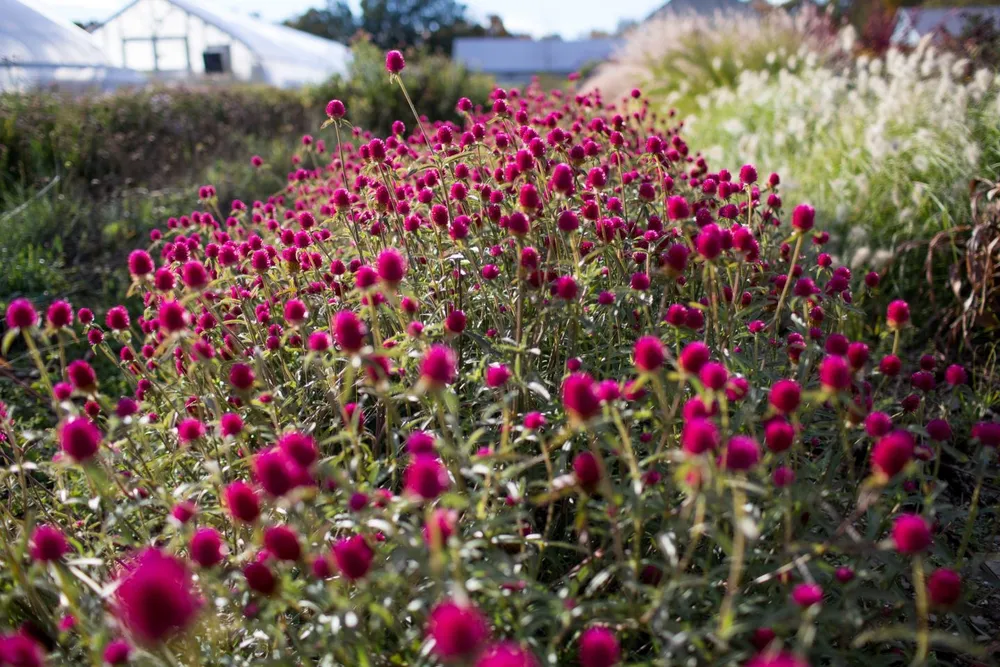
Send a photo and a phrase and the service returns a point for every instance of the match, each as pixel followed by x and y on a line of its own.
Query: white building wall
pixel 159 37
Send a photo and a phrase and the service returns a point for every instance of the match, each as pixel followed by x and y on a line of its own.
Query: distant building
pixel 914 23
pixel 185 39
pixel 38 50
pixel 702 7
pixel 515 61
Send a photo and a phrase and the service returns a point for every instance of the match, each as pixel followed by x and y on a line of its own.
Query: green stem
pixel 788 282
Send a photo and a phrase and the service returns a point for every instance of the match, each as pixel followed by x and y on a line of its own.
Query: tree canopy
pixel 394 24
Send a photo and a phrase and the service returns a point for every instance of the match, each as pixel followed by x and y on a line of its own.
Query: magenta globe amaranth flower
pixel 82 376
pixel 391 267
pixel 260 578
pixel 283 543
pixel 206 547
pixel 783 476
pixel 779 435
pixel 944 587
pixel 190 430
pixel 173 317
pixel 241 376
pixel 878 424
pixel 426 477
pixel 587 470
pixel 699 436
pixel 295 312
pixel 335 109
pixel 956 374
pixel 939 430
pixel 579 397
pixel 497 375
pixel 299 447
pixel 117 318
pixel 987 433
pixel 785 396
pixel 648 354
pixel 156 597
pixel 911 534
pixel 348 331
pixel 420 442
pixel 741 453
pixel 534 421
pixel 275 471
pixel 599 648
pixel 353 557
pixel 834 373
pixel 891 454
pixel 458 630
pixel 184 511
pixel 439 367
pixel 48 544
pixel 117 652
pixel 59 315
pixel 803 217
pixel 455 322
pixel 195 275
pixel 394 62
pixel 897 314
pixel 566 288
pixel 242 501
pixel 230 424
pixel 507 654
pixel 693 357
pixel 21 314
pixel 714 376
pixel 80 439
pixel 807 595
pixel 21 650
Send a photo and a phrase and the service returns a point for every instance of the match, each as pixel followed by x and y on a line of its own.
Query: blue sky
pixel 570 18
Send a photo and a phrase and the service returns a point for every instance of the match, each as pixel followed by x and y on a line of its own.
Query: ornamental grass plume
pixel 493 391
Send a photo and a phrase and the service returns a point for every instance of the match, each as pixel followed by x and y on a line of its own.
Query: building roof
pixel 703 7
pixel 513 56
pixel 914 23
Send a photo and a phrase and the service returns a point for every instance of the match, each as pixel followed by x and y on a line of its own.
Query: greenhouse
pixel 181 40
pixel 38 50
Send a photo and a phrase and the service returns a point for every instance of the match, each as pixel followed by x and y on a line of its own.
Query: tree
pixel 336 22
pixel 396 24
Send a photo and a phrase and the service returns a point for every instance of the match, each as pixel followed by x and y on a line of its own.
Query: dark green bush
pixel 435 83
pixel 154 137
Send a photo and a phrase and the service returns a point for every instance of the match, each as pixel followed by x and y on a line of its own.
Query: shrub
pixel 884 149
pixel 436 83
pixel 676 58
pixel 66 240
pixel 152 137
pixel 536 391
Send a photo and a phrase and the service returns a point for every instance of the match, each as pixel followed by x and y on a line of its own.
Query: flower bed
pixel 544 388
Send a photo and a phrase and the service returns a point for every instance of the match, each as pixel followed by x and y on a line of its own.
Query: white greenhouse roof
pixel 39 49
